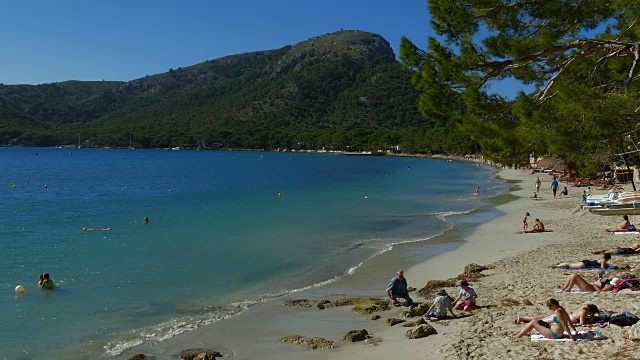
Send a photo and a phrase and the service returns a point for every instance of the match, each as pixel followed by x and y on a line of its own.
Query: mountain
pixel 343 90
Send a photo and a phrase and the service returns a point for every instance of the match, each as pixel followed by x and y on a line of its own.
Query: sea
pixel 226 230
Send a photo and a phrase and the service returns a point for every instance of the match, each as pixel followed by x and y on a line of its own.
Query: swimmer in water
pixel 146 220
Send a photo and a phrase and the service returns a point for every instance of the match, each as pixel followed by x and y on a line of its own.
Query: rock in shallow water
pixel 393 321
pixel 355 335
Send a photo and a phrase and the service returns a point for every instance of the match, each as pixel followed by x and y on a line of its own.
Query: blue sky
pixel 50 41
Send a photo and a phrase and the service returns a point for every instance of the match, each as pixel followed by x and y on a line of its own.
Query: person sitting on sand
pixel 560 323
pixel 468 296
pixel 584 264
pixel 584 316
pixel 47 283
pixel 538 226
pixel 626 226
pixel 617 250
pixel 564 192
pixel 439 307
pixel 397 288
pixel 584 285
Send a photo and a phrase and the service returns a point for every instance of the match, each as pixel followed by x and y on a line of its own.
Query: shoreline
pixel 521 262
pixel 369 281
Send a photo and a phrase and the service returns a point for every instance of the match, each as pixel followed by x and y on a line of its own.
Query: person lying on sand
pixel 602 263
pixel 626 226
pixel 439 307
pixel 617 250
pixel 538 226
pixel 560 323
pixel 582 284
pixel 582 316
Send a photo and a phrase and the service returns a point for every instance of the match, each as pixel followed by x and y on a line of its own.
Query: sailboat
pixel 130 147
pixel 79 146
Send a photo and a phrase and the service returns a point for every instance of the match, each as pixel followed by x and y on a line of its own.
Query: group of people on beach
pixel 441 306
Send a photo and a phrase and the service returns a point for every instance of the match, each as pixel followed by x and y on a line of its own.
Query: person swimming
pixel 47 283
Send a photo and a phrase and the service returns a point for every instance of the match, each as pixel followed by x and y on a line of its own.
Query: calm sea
pixel 220 238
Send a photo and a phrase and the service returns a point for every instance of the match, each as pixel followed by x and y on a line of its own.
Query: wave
pixel 177 326
pixel 444 214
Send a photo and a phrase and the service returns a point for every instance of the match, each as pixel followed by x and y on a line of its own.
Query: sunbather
pixel 626 226
pixel 560 323
pixel 537 227
pixel 584 264
pixel 617 250
pixel 582 284
pixel 582 316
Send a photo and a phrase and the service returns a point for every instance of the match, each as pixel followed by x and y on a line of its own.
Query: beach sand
pixel 522 274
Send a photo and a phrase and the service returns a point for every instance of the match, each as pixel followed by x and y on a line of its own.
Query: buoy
pixel 279 194
pixel 19 289
pixel 169 190
pixel 366 197
pixel 13 186
pixel 45 186
pixel 122 189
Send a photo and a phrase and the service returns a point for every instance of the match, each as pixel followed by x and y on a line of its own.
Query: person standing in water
pixel 477 191
pixel 146 220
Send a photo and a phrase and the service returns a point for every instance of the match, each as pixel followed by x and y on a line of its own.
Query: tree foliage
pixel 581 56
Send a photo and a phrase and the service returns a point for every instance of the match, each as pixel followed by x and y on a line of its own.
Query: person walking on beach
pixel 554 186
pixel 538 183
pixel 397 288
pixel 525 225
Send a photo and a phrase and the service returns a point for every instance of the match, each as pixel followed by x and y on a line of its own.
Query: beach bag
pixel 624 319
pixel 626 284
pixel 632 227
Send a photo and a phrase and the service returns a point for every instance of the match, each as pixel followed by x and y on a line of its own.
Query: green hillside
pixel 343 90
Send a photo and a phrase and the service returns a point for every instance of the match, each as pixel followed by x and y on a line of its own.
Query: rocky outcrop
pixel 420 321
pixel 313 343
pixel 364 306
pixel 138 357
pixel 199 354
pixel 421 331
pixel 355 335
pixel 416 310
pixel 393 321
pixel 374 317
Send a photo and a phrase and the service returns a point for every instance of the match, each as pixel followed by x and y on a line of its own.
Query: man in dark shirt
pixel 398 289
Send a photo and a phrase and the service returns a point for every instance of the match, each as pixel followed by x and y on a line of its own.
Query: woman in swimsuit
pixel 560 323
pixel 625 225
pixel 582 284
pixel 602 263
pixel 583 316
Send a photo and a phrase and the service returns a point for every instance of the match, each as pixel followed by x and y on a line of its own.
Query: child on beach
pixel 584 196
pixel 439 307
pixel 468 296
pixel 525 225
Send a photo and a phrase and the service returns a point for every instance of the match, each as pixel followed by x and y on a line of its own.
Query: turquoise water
pixel 219 238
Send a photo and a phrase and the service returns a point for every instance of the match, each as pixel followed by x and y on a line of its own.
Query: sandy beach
pixel 521 276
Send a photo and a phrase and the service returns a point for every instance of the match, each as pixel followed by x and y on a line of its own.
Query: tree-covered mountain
pixel 343 90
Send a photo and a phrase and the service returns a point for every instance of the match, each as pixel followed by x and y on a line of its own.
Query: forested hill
pixel 343 90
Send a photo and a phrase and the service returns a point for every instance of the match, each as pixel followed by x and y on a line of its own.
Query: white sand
pixel 520 273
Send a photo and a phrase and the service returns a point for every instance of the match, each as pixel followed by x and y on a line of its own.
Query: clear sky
pixel 48 41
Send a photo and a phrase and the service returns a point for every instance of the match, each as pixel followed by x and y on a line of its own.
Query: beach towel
pixel 613 267
pixel 575 291
pixel 582 336
pixel 626 233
